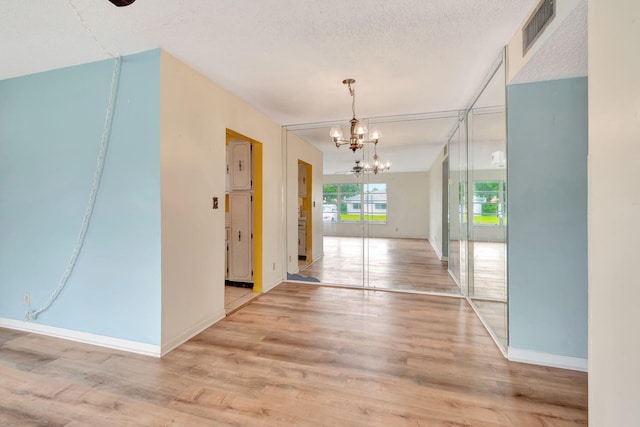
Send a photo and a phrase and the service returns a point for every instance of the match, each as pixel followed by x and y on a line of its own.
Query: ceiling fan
pixel 121 3
pixel 355 170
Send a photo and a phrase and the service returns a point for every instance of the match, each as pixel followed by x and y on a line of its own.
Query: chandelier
pixel 375 167
pixel 358 130
pixel 357 138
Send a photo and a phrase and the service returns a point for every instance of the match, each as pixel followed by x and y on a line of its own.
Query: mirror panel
pixel 457 207
pixel 486 204
pixel 375 227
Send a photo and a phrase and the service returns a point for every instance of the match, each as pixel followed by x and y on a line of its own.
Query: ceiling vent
pixel 538 21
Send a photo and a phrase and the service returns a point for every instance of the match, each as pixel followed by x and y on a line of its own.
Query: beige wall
pixel 435 205
pixel 614 203
pixel 407 206
pixel 297 149
pixel 194 116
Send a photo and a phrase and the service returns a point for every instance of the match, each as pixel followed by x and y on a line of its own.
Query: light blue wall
pixel 547 251
pixel 50 129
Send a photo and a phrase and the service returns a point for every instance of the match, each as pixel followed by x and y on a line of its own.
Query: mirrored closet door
pixel 380 229
pixel 478 205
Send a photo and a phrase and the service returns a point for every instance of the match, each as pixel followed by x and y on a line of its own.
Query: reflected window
pixel 462 202
pixel 489 207
pixel 355 203
pixel 375 203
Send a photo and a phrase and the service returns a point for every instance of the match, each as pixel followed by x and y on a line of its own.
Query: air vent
pixel 543 14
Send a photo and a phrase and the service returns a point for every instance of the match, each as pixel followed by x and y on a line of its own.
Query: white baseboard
pixel 547 359
pixel 83 337
pixel 436 249
pixel 191 332
pixel 267 288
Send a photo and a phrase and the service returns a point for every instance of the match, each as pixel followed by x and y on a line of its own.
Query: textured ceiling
pixel 564 54
pixel 287 58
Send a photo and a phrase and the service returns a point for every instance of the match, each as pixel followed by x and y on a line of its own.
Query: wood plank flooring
pixel 398 264
pixel 412 264
pixel 236 297
pixel 299 355
pixel 489 270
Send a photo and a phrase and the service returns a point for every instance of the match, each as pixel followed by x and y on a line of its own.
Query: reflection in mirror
pixel 379 230
pixel 457 217
pixel 486 204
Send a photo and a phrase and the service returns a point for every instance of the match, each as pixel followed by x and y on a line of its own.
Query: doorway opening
pixel 243 219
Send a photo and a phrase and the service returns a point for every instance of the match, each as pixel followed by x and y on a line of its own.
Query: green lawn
pixel 356 217
pixel 491 220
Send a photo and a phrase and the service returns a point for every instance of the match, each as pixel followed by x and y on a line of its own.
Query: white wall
pixel 407 206
pixel 297 149
pixel 435 205
pixel 194 116
pixel 614 200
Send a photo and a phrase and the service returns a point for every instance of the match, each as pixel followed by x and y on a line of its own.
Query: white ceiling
pixel 287 58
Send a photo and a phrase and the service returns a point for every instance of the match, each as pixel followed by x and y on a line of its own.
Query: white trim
pixel 436 249
pixel 83 337
pixel 190 333
pixel 547 359
pixel 271 286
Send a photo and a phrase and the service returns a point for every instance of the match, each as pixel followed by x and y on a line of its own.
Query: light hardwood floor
pixel 397 264
pixel 412 265
pixel 489 270
pixel 299 355
pixel 236 297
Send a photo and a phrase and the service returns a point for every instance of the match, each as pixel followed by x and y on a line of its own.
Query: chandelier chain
pixel 357 136
pixel 88 213
pixel 353 100
pixel 88 30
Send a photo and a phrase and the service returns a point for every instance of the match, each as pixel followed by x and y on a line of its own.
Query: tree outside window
pixel 356 202
pixel 489 207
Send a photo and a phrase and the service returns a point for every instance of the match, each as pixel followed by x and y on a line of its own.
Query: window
pixel 375 199
pixel 355 203
pixel 489 207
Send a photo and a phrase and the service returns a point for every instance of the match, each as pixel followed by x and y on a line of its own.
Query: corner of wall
pixel 171 343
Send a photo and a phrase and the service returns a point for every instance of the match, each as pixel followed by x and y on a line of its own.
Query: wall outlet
pixel 26 298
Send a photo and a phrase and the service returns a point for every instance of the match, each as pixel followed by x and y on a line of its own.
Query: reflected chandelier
pixel 375 167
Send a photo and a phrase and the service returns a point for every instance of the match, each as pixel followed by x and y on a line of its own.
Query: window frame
pixel 367 207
